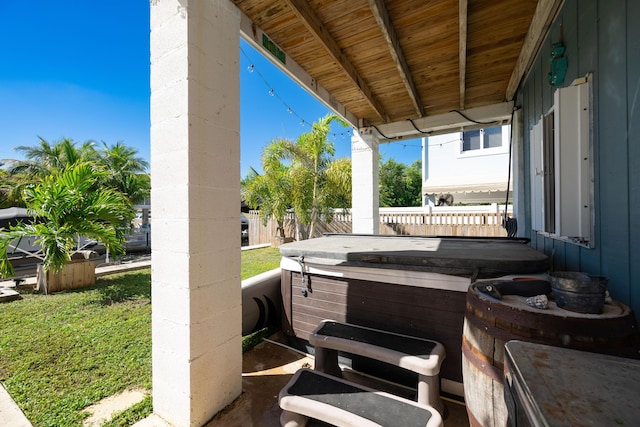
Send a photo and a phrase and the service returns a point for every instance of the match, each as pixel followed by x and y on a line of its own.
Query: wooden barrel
pixel 489 323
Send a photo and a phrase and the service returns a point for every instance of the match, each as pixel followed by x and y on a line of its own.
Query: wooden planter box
pixel 75 275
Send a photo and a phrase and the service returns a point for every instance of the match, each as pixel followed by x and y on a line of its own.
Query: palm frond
pixel 69 202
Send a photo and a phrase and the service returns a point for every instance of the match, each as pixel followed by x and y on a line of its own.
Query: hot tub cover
pixel 481 257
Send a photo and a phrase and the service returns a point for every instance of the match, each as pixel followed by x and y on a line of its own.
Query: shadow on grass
pixel 124 287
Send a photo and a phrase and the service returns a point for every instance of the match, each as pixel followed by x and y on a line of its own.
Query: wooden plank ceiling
pixel 390 62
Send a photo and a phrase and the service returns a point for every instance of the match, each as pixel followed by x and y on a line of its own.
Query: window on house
pixel 561 165
pixel 481 139
pixel 471 140
pixel 493 137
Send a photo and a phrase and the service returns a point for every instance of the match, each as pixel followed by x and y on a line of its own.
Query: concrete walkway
pixel 10 414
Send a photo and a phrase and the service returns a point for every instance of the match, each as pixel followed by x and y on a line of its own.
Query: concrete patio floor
pixel 268 367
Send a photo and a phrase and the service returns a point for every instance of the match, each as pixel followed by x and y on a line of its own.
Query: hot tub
pixel 406 284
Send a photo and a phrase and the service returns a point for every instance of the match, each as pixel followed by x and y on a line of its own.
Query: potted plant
pixel 68 203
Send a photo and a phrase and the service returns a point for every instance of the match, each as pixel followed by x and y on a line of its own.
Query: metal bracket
pixel 305 280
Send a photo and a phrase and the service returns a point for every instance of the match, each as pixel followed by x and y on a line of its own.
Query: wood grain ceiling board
pixel 363 44
pixel 431 47
pixel 496 31
pixel 428 35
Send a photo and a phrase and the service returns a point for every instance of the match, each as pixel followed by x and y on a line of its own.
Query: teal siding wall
pixel 601 37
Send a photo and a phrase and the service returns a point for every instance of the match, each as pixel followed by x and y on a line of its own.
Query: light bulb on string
pixel 252 68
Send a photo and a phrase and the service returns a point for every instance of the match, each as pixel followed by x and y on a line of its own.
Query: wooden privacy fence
pixel 484 221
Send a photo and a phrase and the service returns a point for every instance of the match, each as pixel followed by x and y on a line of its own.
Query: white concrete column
pixel 365 199
pixel 425 170
pixel 195 197
pixel 518 172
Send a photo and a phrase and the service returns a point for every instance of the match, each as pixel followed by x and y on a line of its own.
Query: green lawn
pixel 256 261
pixel 61 353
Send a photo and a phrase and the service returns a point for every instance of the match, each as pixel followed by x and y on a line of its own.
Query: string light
pixel 272 92
pixel 457 140
pixel 404 145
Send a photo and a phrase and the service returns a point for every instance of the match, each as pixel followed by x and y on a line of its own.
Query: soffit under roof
pixel 405 64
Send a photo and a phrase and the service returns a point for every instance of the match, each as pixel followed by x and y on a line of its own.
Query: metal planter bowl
pixel 579 292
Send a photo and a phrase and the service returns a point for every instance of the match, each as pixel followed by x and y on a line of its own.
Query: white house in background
pixel 471 166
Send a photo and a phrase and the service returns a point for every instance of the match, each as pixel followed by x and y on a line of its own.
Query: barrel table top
pixel 614 331
pixel 517 305
pixel 564 387
pixel 457 256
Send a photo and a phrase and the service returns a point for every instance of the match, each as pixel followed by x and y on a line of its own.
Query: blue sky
pixel 80 70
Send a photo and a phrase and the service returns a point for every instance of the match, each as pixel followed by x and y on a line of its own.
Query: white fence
pixel 485 220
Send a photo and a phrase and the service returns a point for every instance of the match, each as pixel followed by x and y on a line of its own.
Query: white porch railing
pixel 485 220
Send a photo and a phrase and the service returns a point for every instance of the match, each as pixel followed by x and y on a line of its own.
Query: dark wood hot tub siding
pixel 423 312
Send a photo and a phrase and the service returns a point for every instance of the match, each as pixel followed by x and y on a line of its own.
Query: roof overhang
pixel 474 118
pixel 402 68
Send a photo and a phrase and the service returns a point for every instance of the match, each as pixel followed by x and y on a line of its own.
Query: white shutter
pixel 573 163
pixel 537 196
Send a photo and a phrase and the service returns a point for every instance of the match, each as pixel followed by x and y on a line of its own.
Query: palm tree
pixel 68 203
pixel 42 160
pixel 337 191
pixel 302 175
pixel 8 184
pixel 45 157
pixel 124 170
pixel 271 191
pixel 317 185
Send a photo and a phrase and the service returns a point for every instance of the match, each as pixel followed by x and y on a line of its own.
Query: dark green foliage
pixel 70 202
pixel 121 168
pixel 400 185
pixel 250 341
pixel 302 175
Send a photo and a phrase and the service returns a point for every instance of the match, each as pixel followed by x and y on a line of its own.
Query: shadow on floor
pixel 267 368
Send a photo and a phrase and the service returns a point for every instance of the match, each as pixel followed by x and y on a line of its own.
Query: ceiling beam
pixel 462 21
pixel 310 20
pixel 388 31
pixel 546 11
pixel 473 118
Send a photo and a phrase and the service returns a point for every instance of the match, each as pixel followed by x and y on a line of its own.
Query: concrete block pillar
pixel 425 170
pixel 366 195
pixel 195 199
pixel 518 177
